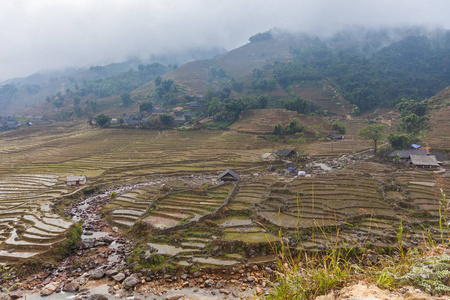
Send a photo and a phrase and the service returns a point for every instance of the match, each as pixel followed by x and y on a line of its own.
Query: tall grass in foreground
pixel 308 275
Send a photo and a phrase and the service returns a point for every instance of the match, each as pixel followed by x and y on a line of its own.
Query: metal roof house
pixel 76 180
pixel 424 161
pixel 229 175
pixel 405 154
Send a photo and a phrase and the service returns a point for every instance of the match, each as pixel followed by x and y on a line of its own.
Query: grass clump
pixel 69 244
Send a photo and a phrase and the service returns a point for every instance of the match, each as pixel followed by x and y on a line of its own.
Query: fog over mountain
pixel 51 34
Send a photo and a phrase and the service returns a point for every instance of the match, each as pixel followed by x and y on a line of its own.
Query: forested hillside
pixel 350 72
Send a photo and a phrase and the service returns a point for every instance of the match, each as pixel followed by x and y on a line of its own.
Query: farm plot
pixel 251 192
pixel 424 189
pixel 129 207
pixel 325 200
pixel 185 207
pixel 27 227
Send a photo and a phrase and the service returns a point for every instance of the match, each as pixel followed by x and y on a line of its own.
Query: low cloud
pixel 52 34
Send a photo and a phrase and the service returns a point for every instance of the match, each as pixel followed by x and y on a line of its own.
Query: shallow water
pixel 95 235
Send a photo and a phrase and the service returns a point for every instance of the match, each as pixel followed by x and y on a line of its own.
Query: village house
pixel 424 161
pixel 157 111
pixel 404 155
pixel 229 175
pixel 73 180
pixel 335 136
pixel 181 119
pixel 195 105
pixel 285 153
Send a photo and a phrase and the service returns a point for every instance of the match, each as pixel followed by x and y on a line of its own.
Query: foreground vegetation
pixel 311 274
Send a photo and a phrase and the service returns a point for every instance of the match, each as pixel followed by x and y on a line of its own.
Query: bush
pixel 339 127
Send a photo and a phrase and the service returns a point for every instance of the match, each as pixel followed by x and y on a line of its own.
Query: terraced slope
pixel 251 192
pixel 424 190
pixel 185 207
pixel 438 137
pixel 324 201
pixel 27 227
pixel 130 206
pixel 106 155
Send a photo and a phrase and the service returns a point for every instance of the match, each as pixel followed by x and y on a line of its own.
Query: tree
pixel 355 111
pixel 76 101
pixel 158 80
pixel 278 129
pixel 92 104
pixel 412 123
pixel 125 97
pixel 166 119
pixel 146 106
pixel 399 141
pixel 77 111
pixel 339 127
pixel 262 101
pixel 372 132
pixel 102 120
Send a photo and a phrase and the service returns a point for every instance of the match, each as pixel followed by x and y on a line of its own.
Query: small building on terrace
pixel 405 155
pixel 74 180
pixel 424 161
pixel 285 153
pixel 229 175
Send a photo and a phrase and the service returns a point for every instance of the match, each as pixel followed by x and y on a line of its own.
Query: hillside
pixel 367 70
pixel 438 136
pixel 346 74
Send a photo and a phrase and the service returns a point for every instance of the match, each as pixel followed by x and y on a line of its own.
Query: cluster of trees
pixel 166 91
pixel 219 103
pixel 161 121
pixel 57 100
pixel 414 118
pixel 416 67
pixel 291 128
pixel 300 105
pixel 339 127
pixel 8 92
pixel 414 121
pixel 123 82
pixel 260 37
pixel 119 84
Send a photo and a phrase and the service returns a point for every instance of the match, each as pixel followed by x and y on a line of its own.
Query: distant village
pixel 12 123
pixel 182 115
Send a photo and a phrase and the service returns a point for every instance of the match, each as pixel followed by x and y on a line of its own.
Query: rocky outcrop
pixel 130 282
pixel 49 289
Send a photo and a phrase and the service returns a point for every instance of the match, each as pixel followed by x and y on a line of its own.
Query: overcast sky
pixel 51 34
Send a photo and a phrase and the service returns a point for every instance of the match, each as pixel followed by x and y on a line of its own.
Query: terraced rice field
pixel 251 192
pixel 106 155
pixel 27 227
pixel 185 207
pixel 424 189
pixel 438 137
pixel 34 164
pixel 353 200
pixel 325 200
pixel 127 208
